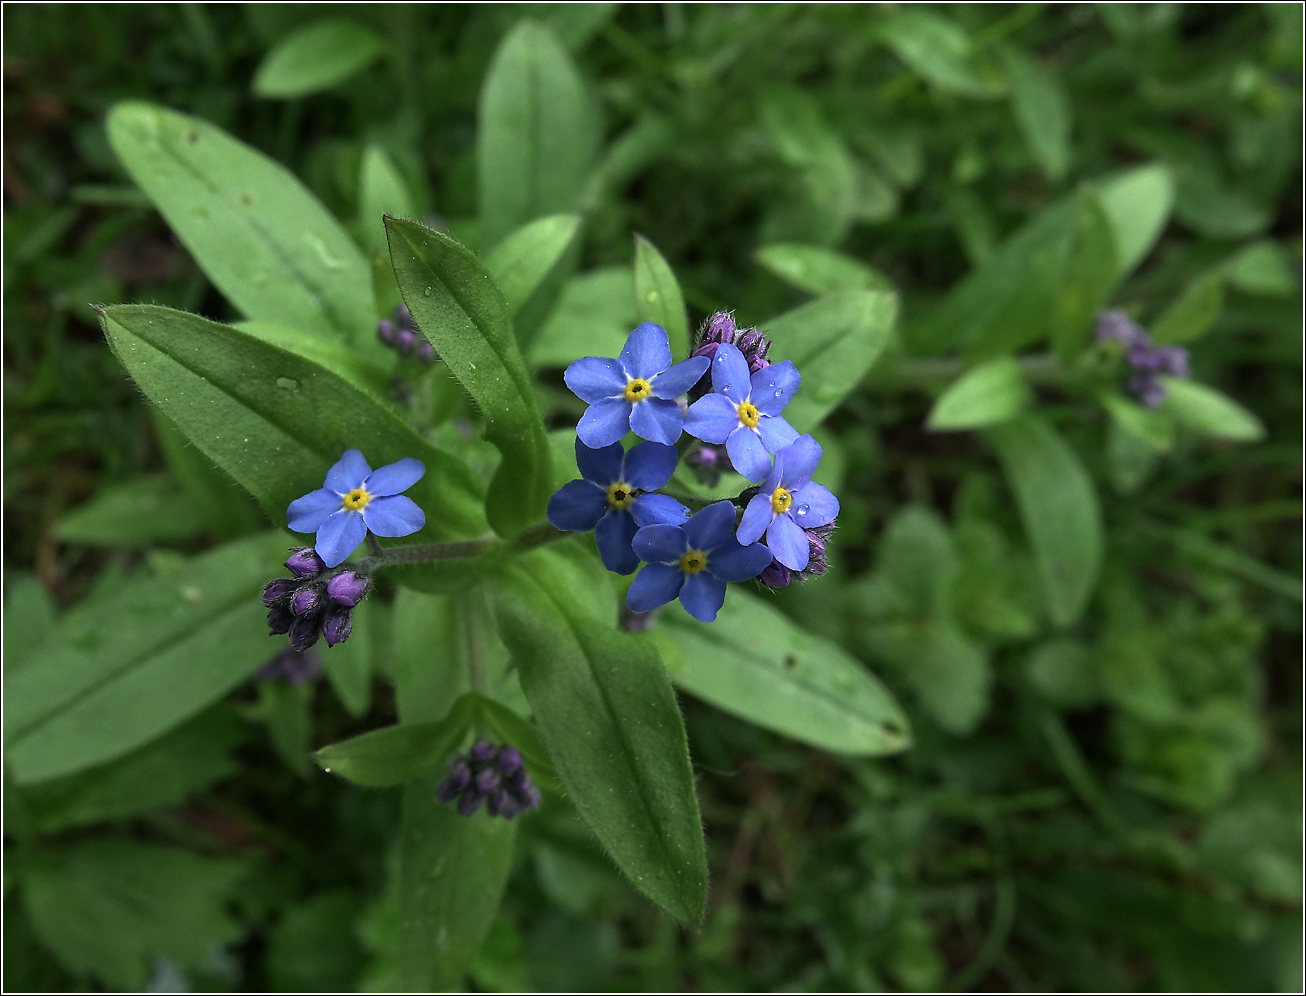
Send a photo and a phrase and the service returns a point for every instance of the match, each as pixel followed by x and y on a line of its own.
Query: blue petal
pixel 339 537
pixel 680 378
pixel 788 542
pixel 712 418
pixel 660 544
pixel 307 514
pixel 347 473
pixel 657 420
pixel 613 535
pixel 650 465
pixel 650 510
pixel 730 373
pixel 395 477
pixel 593 378
pixel 797 462
pixel 647 351
pixel 577 506
pixel 774 387
pixel 703 595
pixel 757 516
pixel 776 433
pixel 655 585
pixel 732 562
pixel 708 529
pixel 602 465
pixel 604 423
pixel 748 454
pixel 394 515
pixel 814 505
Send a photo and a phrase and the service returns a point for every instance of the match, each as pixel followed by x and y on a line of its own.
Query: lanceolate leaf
pixel 276 421
pixel 521 262
pixel 394 755
pixel 985 395
pixel 1059 508
pixel 257 233
pixel 755 663
pixel 818 269
pixel 608 717
pixel 833 341
pixel 1138 202
pixel 658 298
pixel 536 132
pixel 140 662
pixel 460 310
pixel 316 57
pixel 1207 411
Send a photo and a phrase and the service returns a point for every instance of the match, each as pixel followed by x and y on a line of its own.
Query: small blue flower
pixel 357 498
pixel 790 503
pixel 744 413
pixel 693 561
pixel 613 500
pixel 635 391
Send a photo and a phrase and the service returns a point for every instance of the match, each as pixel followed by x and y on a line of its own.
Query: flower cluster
pixel 402 335
pixel 317 601
pixel 495 776
pixel 786 520
pixel 1144 357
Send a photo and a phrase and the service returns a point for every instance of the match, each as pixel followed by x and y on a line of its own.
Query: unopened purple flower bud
pixel 385 332
pixel 277 591
pixel 405 341
pixel 304 631
pixel 304 562
pixel 470 802
pixel 460 777
pixel 1147 389
pixel 817 562
pixel 426 352
pixel 347 588
pixel 754 345
pixel 280 619
pixel 1172 360
pixel 718 329
pixel 1114 325
pixel 482 752
pixel 338 625
pixel 509 759
pixel 487 779
pixel 503 804
pixel 528 796
pixel 775 575
pixel 404 317
pixel 307 600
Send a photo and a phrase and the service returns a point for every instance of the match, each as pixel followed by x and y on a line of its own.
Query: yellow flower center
pixel 356 500
pixel 748 414
pixel 638 389
pixel 780 501
pixel 621 495
pixel 693 561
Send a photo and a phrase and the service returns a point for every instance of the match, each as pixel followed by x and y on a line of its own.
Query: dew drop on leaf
pixel 288 384
pixel 427 292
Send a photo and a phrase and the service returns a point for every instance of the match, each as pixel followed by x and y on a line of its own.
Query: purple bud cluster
pixel 777 575
pixel 489 774
pixel 718 330
pixel 317 601
pixel 708 462
pixel 1144 357
pixel 295 666
pixel 402 335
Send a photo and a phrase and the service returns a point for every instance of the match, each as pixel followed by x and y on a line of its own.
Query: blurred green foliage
pixel 1101 801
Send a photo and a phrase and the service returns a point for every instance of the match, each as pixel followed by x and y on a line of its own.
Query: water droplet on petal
pixel 804 509
pixel 779 394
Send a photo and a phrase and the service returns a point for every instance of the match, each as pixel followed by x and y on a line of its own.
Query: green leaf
pixel 608 716
pixel 658 298
pixel 382 190
pixel 949 673
pixel 1138 201
pixel 1059 509
pixel 228 509
pixel 142 510
pixel 452 871
pixel 284 709
pixel 140 661
pixel 818 269
pixel 460 310
pixel 1193 312
pixel 593 317
pixel 29 619
pixel 510 728
pixel 985 395
pixel 937 49
pixel 1262 268
pixel 536 134
pixel 1063 672
pixel 1042 111
pixel 110 908
pixel 833 340
pixel 1089 275
pixel 316 57
pixel 276 421
pixel 1153 427
pixel 255 230
pixel 368 376
pixel 1205 410
pixel 429 671
pixel 349 665
pixel 755 663
pixel 521 262
pixel 394 755
pixel 314 947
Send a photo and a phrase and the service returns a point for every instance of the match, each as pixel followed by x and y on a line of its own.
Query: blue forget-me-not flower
pixel 355 499
pixel 744 412
pixel 790 503
pixel 693 561
pixel 613 498
pixel 636 391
